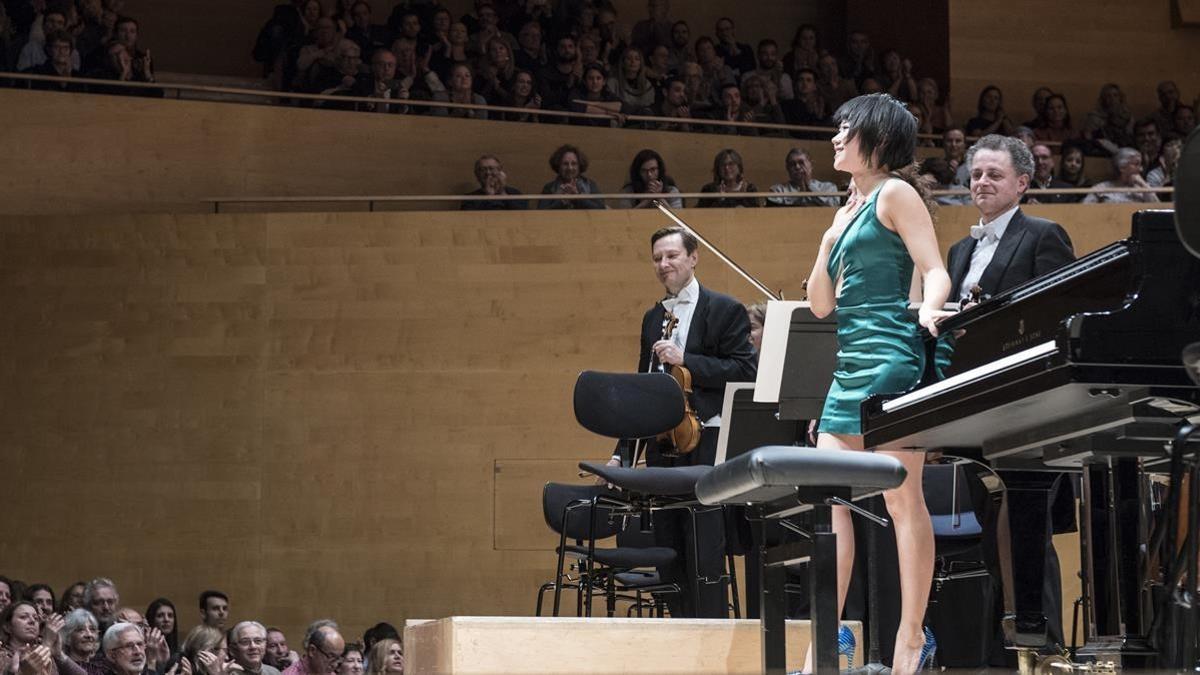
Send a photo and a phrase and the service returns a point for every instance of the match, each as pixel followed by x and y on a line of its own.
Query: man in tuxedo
pixel 1007 248
pixel 712 340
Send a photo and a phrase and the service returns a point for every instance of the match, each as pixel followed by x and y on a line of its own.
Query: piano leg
pixel 1030 496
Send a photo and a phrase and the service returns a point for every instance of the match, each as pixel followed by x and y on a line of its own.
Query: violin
pixel 686 436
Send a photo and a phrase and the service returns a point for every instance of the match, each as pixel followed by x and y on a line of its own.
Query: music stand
pixel 747 424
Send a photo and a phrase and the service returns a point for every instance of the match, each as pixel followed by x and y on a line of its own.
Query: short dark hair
pixel 703 38
pixel 808 70
pixel 380 631
pixel 1147 121
pixel 690 243
pixel 885 129
pixel 557 158
pixel 767 42
pixel 126 19
pixel 635 170
pixel 58 36
pixel 204 597
pixel 34 588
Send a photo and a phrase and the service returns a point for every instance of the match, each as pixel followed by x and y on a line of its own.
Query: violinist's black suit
pixel 718 351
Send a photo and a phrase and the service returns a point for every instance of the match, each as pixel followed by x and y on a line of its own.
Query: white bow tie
pixel 980 231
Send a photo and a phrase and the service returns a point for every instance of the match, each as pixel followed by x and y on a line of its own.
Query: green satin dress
pixel 879 350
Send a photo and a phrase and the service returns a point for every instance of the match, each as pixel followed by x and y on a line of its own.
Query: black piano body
pixel 1076 370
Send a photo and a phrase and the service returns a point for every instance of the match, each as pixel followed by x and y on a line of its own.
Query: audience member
pixel 630 86
pixel 800 179
pixel 323 646
pixel 101 598
pixel 488 30
pixel 1040 96
pixel 380 83
pixel 161 615
pixel 1185 120
pixel 806 51
pixel 157 651
pixel 870 85
pixel 248 645
pixel 34 52
pixel 495 73
pixel 353 660
pixel 206 649
pixel 954 147
pixel 1163 175
pixel 489 172
pixel 595 98
pixel 763 108
pixel 570 165
pixel 728 178
pixel 125 647
pixel 1026 136
pixel 716 71
pixel 413 74
pixel 72 598
pixel 757 314
pixel 681 41
pixel 587 49
pixel 658 68
pixel 1168 104
pixel 278 654
pixel 1110 125
pixel 460 91
pixel 779 83
pixel 366 34
pixel 450 52
pixel 322 50
pixel 524 96
pixel 809 107
pixel 937 112
pixel 1056 121
pixel 531 53
pixel 835 89
pixel 80 636
pixel 700 95
pixel 1070 167
pixel 675 104
pixel 937 171
pixel 733 110
pixel 896 77
pixel 610 33
pixel 1149 139
pixel 655 29
pixel 1127 173
pixel 380 631
pixel 214 609
pixel 737 55
pixel 648 175
pixel 557 79
pixel 339 78
pixel 387 658
pixel 126 32
pixel 990 117
pixel 859 61
pixel 60 47
pixel 42 597
pixel 1044 179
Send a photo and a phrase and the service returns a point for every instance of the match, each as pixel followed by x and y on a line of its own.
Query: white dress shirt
pixel 683 306
pixel 988 239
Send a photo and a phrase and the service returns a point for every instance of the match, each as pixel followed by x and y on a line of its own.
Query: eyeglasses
pixel 334 660
pixel 252 642
pixel 132 647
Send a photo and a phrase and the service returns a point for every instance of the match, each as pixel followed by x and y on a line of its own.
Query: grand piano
pixel 1078 370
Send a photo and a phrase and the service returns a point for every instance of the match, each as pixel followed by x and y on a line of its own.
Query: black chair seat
pixel 629 558
pixel 679 481
pixel 774 472
pixel 638 580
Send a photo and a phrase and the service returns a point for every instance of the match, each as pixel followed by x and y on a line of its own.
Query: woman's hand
pixel 929 317
pixel 50 628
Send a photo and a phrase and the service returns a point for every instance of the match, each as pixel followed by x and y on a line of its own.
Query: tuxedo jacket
pixel 717 351
pixel 1029 248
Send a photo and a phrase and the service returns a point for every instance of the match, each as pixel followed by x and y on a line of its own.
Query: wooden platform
pixel 471 644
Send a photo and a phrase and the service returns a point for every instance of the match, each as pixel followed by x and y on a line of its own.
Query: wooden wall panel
pixel 308 411
pixel 1073 47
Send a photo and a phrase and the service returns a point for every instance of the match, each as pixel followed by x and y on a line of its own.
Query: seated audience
pixel 990 117
pixel 610 34
pixel 648 175
pixel 214 609
pixel 488 30
pixel 1110 125
pixel 716 73
pixel 629 84
pixel 1040 96
pixel 595 98
pixel 353 660
pixel 858 63
pixel 101 598
pixel 675 104
pixel 460 91
pixel 702 99
pixel 806 51
pixel 757 314
pixel 248 645
pixel 413 76
pixel 869 85
pixel 954 146
pixel 495 72
pixel 126 32
pixel 450 52
pixel 1026 136
pixel 1070 167
pixel 1163 175
pixel 380 83
pixel 80 636
pixel 322 50
pixel 161 615
pixel 125 647
pixel 42 597
pixel 736 55
pixel 523 95
pixel 72 598
pixel 387 658
pixel 1168 104
pixel 1056 121
pixel 680 45
pixel 531 52
pixel 655 29
pixel 380 631
pixel 799 170
pixel 59 48
pixel 492 181
pixel 658 69
pixel 587 49
pixel 406 24
pixel 936 111
pixel 1185 120
pixel 157 651
pixel 937 171
pixel 339 78
pixel 835 89
pixel 1044 179
pixel 558 78
pixel 1127 173
pixel 896 77
pixel 6 593
pixel 1149 140
pixel 923 126
pixel 570 166
pixel 764 109
pixel 728 178
pixel 363 32
pixel 323 646
pixel 808 108
pixel 34 52
pixel 779 83
pixel 278 653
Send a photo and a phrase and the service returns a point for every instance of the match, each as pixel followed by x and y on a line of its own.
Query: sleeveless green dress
pixel 879 350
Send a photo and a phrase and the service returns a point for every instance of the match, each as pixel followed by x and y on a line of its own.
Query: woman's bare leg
pixel 914 548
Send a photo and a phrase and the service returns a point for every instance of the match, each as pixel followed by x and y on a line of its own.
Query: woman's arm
pixel 902 210
pixel 821 288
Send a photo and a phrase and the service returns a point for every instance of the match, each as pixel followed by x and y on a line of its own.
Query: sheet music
pixel 774 348
pixel 727 421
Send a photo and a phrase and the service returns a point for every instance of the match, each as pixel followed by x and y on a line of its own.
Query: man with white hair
pixel 125 648
pixel 248 645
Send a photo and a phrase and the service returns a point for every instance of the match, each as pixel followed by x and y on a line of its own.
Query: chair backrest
pixel 575 521
pixel 628 405
pixel 955 499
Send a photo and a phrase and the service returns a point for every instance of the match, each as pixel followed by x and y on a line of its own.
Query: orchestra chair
pixel 631 407
pixel 575 513
pixel 963 498
pixel 776 482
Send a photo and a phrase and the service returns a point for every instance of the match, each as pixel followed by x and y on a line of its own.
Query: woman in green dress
pixel 865 270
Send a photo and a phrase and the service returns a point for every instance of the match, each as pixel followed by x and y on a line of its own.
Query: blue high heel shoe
pixel 928 651
pixel 847 645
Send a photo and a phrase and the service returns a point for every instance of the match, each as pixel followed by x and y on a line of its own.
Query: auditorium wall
pixel 346 415
pixel 1073 47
